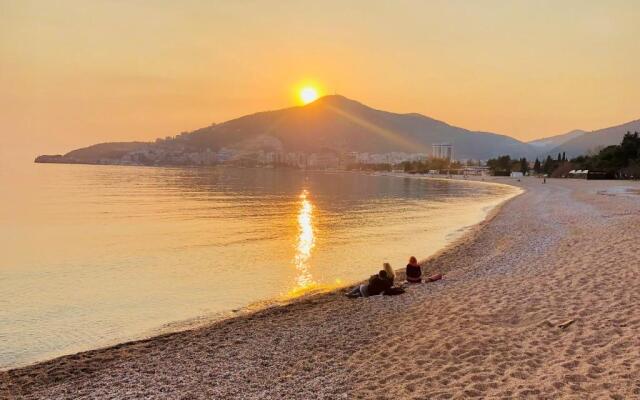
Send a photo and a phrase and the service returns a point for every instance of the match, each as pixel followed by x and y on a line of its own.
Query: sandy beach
pixel 539 301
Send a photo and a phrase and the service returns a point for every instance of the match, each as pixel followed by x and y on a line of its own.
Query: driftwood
pixel 566 323
pixel 550 324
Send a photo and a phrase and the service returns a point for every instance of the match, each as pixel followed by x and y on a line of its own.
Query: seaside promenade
pixel 539 301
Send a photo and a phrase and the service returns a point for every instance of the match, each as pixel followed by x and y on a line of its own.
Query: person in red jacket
pixel 414 272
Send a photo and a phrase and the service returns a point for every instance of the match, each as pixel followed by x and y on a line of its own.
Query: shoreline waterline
pixel 284 299
pixel 461 235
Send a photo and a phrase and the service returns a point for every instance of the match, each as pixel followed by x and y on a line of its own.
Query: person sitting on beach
pixel 391 274
pixel 376 285
pixel 414 272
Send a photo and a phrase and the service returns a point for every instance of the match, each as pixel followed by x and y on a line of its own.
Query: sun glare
pixel 308 94
pixel 306 241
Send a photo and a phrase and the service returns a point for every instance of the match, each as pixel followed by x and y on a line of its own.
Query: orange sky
pixel 73 73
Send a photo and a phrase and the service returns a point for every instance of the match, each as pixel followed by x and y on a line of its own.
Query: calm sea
pixel 95 255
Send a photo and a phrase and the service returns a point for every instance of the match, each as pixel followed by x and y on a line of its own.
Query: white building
pixel 442 150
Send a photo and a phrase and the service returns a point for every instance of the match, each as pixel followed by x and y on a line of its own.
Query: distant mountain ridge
pixel 549 143
pixel 331 123
pixel 595 140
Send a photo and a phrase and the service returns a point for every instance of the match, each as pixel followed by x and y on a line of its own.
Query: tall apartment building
pixel 442 150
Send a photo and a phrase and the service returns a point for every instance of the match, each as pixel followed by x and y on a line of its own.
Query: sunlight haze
pixel 75 73
pixel 311 200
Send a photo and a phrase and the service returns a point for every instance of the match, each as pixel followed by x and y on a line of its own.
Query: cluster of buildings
pixel 154 155
pixel 330 159
pixel 158 155
pixel 325 159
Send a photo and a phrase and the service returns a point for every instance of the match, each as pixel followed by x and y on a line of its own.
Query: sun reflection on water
pixel 306 242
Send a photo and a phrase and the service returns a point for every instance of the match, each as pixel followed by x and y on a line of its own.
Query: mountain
pixel 592 141
pixel 333 123
pixel 91 154
pixel 547 144
pixel 338 123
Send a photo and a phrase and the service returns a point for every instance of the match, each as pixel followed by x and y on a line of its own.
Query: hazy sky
pixel 73 73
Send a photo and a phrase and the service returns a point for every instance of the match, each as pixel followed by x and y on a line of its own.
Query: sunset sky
pixel 74 73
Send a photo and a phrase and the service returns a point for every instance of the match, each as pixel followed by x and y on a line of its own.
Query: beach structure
pixel 442 150
pixel 476 170
pixel 597 175
pixel 578 173
pixel 590 174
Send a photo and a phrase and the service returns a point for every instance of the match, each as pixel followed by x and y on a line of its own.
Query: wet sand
pixel 539 301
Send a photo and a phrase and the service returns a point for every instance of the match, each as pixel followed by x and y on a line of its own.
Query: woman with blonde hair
pixel 391 274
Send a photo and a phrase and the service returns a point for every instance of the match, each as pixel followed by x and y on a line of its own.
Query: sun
pixel 308 94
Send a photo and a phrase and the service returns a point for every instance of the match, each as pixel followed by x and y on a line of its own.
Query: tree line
pixel 505 165
pixel 621 161
pixel 424 166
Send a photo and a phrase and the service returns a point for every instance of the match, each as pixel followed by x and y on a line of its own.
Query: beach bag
pixel 434 278
pixel 393 291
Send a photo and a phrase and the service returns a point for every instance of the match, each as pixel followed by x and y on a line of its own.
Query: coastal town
pixel 441 157
pixel 173 153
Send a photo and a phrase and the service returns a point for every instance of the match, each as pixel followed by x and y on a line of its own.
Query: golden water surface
pixel 95 255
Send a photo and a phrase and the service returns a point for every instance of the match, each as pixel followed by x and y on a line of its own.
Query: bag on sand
pixel 434 278
pixel 393 291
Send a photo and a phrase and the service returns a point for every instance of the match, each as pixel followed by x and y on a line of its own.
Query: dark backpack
pixel 393 291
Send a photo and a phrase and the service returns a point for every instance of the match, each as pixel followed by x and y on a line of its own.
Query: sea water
pixel 96 255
